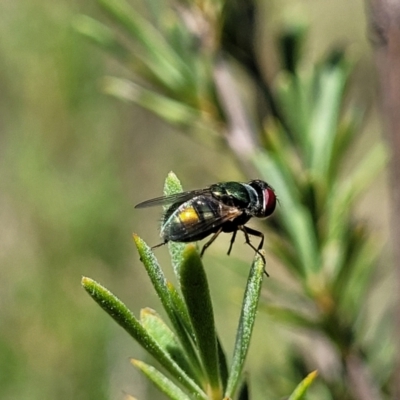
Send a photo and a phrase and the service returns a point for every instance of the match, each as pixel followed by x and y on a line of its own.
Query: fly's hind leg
pixel 249 231
pixel 157 245
pixel 213 237
pixel 160 244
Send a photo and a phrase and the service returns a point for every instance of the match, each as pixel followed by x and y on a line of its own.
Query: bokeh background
pixel 74 162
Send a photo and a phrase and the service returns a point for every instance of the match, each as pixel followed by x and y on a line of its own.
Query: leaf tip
pixel 134 362
pixel 190 253
pixel 87 283
pixel 139 243
pixel 85 280
pixel 312 376
pixel 172 175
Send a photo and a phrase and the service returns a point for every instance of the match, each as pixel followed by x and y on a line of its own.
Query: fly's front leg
pixel 213 237
pixel 249 231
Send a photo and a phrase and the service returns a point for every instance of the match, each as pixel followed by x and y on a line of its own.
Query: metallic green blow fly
pixel 222 207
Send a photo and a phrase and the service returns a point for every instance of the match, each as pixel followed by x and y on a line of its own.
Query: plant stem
pixel 384 25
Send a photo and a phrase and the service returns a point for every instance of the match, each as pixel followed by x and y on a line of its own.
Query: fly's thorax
pixel 232 194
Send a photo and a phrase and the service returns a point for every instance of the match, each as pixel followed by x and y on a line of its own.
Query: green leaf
pixel 284 155
pixel 163 290
pixel 102 36
pixel 292 317
pixel 301 390
pixel 166 108
pixel 166 386
pixel 246 323
pixel 167 340
pixel 301 229
pixel 269 168
pixel 349 126
pixel 223 365
pixel 354 280
pixel 293 96
pixel 196 293
pixel 172 186
pixel 155 273
pixel 324 122
pixel 124 317
pixel 164 59
pixel 181 310
pixel 295 216
pixel 182 318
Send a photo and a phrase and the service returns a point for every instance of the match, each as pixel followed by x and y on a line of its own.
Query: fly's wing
pixel 173 198
pixel 196 219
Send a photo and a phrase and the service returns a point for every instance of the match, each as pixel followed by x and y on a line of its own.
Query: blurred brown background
pixel 73 164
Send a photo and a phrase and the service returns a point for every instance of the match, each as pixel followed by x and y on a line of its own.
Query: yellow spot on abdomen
pixel 189 216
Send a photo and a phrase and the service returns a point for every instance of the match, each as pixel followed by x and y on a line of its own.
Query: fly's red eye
pixel 269 201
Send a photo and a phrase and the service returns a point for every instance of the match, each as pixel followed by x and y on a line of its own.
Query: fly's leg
pixel 213 237
pixel 232 241
pixel 249 231
pixel 159 245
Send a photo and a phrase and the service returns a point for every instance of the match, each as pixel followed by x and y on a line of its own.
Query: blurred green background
pixel 73 164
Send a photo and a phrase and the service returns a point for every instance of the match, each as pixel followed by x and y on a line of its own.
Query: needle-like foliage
pixel 299 138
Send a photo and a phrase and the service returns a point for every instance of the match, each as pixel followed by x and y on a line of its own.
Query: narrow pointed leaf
pixel 295 216
pixel 152 40
pixel 290 97
pixel 301 390
pixel 349 127
pixel 181 310
pixel 124 317
pixel 172 186
pixel 186 330
pixel 196 293
pixel 291 317
pixel 102 36
pixel 298 222
pixel 325 119
pixel 155 273
pixel 283 153
pixel 166 108
pixel 246 323
pixel 106 39
pixel 166 386
pixel 161 286
pixel 223 365
pixel 351 286
pixel 167 340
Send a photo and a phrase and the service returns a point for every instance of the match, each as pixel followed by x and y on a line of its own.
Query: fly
pixel 222 207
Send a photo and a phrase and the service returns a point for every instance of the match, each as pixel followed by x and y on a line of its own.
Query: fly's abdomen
pixel 190 221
